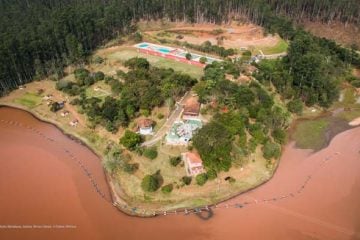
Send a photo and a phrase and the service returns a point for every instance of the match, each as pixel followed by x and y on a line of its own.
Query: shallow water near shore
pixel 44 185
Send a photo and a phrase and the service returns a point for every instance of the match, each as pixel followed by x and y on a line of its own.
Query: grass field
pixel 126 54
pixel 280 47
pixel 349 102
pixel 102 92
pixel 310 134
pixel 29 100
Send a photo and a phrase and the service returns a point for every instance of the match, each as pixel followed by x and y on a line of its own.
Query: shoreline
pixel 117 201
pixel 124 206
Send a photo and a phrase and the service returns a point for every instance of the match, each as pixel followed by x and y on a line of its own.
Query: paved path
pixel 169 122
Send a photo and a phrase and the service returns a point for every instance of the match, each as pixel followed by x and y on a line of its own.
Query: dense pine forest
pixel 39 38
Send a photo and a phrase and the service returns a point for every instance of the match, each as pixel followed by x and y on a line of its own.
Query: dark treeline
pixel 346 11
pixel 39 37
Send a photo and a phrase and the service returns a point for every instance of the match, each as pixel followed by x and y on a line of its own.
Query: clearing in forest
pixel 238 36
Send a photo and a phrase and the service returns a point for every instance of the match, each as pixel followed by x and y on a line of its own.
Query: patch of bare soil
pixel 234 35
pixel 356 72
pixel 344 34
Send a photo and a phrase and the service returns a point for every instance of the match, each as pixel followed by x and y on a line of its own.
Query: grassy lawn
pixel 126 54
pixel 29 100
pixel 280 47
pixel 103 91
pixel 310 134
pixel 352 108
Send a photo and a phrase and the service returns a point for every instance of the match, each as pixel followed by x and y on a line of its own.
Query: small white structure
pixel 64 113
pixel 193 163
pixel 48 97
pixel 74 123
pixel 145 126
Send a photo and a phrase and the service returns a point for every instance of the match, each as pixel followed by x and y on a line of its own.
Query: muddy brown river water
pixel 46 194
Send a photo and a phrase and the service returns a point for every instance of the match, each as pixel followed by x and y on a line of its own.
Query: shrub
pixel 111 165
pixel 55 106
pixel 201 179
pixel 271 150
pixel 130 140
pixel 231 180
pixel 137 63
pixel 188 56
pixel 295 106
pixel 203 60
pixel 211 174
pixel 279 135
pixel 81 74
pixel 167 188
pixel 160 116
pixel 150 153
pixel 137 37
pixel 75 101
pixel 150 183
pixel 186 180
pixel 98 60
pixel 130 167
pixel 120 74
pixel 62 84
pixel 99 76
pixel 174 161
pixel 356 83
pixel 145 112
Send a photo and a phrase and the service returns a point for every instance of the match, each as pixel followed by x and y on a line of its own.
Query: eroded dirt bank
pixel 41 185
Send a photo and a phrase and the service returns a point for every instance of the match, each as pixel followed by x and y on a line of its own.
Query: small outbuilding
pixel 74 123
pixel 64 113
pixel 145 126
pixel 193 163
pixel 191 109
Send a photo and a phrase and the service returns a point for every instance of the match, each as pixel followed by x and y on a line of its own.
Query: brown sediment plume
pixel 41 185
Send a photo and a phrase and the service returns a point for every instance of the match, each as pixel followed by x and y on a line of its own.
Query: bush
pixel 203 60
pixel 99 76
pixel 188 56
pixel 231 180
pixel 137 37
pixel 55 106
pixel 150 153
pixel 145 112
pixel 211 174
pixel 160 116
pixel 271 150
pixel 150 183
pixel 186 180
pixel 174 161
pixel 81 74
pixel 62 84
pixel 295 106
pixel 111 165
pixel 279 135
pixel 201 179
pixel 98 60
pixel 75 101
pixel 167 188
pixel 356 83
pixel 130 140
pixel 130 167
pixel 137 63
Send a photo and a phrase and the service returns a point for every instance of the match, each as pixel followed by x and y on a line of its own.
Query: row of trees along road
pixel 39 38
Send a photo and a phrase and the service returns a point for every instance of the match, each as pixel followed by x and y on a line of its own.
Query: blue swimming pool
pixel 143 45
pixel 163 50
